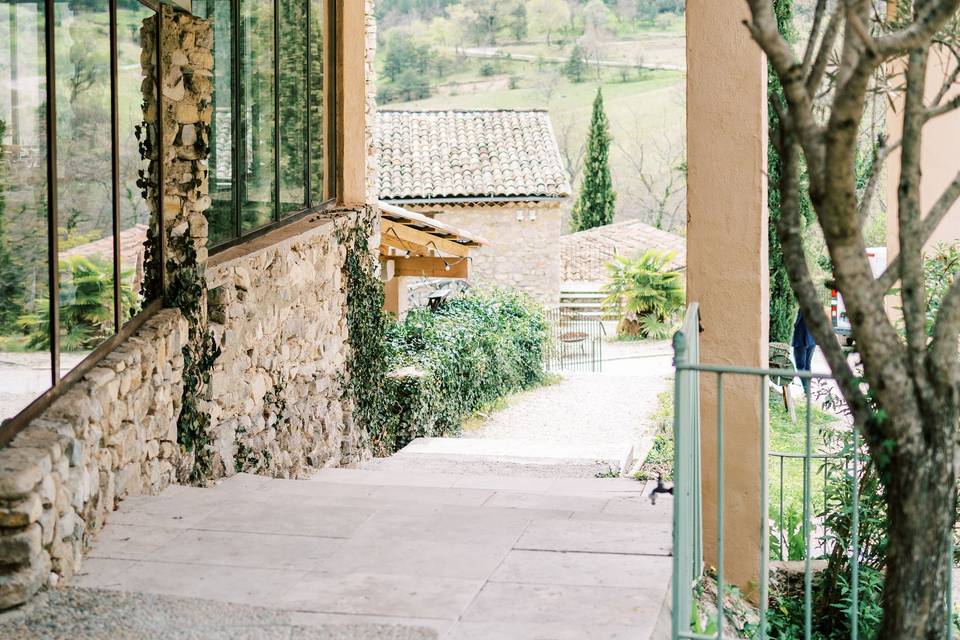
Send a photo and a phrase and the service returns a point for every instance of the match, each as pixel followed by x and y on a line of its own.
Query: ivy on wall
pixel 366 323
pixel 187 290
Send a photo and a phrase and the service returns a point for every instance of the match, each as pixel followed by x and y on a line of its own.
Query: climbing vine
pixel 187 290
pixel 366 325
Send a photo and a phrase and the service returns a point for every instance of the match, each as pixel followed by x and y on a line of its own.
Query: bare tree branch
pixel 929 21
pixel 913 292
pixel 931 221
pixel 818 13
pixel 880 156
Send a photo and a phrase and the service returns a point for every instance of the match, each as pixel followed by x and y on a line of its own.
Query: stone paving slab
pixel 530 558
pixel 583 569
pixel 383 594
pixel 570 604
pixel 597 537
pixel 539 631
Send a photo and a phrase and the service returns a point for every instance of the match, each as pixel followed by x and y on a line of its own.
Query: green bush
pixel 449 363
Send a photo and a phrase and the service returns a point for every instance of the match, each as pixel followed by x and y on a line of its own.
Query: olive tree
pixel 906 399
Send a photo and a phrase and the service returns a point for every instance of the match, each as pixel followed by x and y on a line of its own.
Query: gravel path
pixel 590 410
pixel 93 614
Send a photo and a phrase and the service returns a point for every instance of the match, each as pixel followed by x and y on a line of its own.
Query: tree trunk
pixel 922 503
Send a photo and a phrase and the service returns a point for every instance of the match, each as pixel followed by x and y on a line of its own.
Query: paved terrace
pixel 429 555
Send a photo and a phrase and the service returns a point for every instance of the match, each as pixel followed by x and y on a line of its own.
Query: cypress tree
pixel 595 205
pixel 783 303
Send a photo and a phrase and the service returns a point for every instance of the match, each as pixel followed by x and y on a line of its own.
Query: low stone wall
pixel 113 434
pixel 523 254
pixel 279 315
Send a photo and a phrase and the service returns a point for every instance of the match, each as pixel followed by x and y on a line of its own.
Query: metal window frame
pixel 329 124
pixel 11 426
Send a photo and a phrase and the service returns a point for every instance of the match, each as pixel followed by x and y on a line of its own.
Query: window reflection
pixel 222 222
pixel 257 115
pixel 243 177
pixel 84 170
pixel 134 211
pixel 293 105
pixel 25 364
pixel 319 188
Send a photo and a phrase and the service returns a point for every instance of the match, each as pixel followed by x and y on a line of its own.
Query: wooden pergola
pixel 415 245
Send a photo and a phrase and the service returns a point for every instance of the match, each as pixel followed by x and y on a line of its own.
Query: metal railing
pixel 574 343
pixel 688 565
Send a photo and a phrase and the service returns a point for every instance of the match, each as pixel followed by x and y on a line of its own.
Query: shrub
pixel 449 363
pixel 647 291
pixel 487 69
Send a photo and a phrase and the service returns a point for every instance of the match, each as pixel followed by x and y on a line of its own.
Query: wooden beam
pixel 391 231
pixel 431 268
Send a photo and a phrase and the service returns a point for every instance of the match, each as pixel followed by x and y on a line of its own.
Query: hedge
pixel 447 364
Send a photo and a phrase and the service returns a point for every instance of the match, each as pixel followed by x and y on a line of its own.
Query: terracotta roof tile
pixel 584 255
pixel 468 154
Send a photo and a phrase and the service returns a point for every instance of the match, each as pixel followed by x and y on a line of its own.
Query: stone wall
pixel 279 315
pixel 113 434
pixel 522 254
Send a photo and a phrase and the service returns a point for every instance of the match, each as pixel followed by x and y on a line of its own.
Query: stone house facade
pixel 497 173
pixel 244 347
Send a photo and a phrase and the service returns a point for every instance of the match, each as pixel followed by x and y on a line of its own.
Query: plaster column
pixel 937 161
pixel 727 263
pixel 352 147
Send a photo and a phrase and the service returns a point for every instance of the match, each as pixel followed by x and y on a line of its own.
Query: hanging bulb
pixel 446 267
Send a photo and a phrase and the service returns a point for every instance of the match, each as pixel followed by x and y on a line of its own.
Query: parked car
pixel 838 313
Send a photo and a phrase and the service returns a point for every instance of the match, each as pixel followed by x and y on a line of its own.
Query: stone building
pixel 235 355
pixel 498 173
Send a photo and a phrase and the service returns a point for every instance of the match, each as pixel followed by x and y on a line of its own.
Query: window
pixel 72 219
pixel 269 96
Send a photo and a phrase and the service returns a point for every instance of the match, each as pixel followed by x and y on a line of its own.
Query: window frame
pixel 123 328
pixel 328 125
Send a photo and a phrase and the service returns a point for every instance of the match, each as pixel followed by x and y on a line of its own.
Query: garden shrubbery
pixel 447 364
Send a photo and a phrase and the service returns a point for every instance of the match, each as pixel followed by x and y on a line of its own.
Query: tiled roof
pixel 464 155
pixel 584 255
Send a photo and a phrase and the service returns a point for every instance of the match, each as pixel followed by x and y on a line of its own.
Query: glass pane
pixel 257 117
pixel 25 369
pixel 220 215
pixel 134 212
pixel 84 182
pixel 293 106
pixel 318 134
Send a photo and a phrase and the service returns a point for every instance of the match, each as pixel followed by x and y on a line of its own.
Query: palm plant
pixel 86 305
pixel 647 292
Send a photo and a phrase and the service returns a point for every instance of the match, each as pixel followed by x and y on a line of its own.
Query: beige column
pixel 940 137
pixel 351 156
pixel 727 263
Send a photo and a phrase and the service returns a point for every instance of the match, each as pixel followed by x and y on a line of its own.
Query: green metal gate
pixel 687 517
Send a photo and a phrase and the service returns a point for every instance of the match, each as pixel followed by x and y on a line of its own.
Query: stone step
pixel 505 449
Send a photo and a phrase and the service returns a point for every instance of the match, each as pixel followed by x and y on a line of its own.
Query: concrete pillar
pixel 727 262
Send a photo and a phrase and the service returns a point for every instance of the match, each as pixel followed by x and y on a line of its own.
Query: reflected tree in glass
pixel 25 371
pixel 257 117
